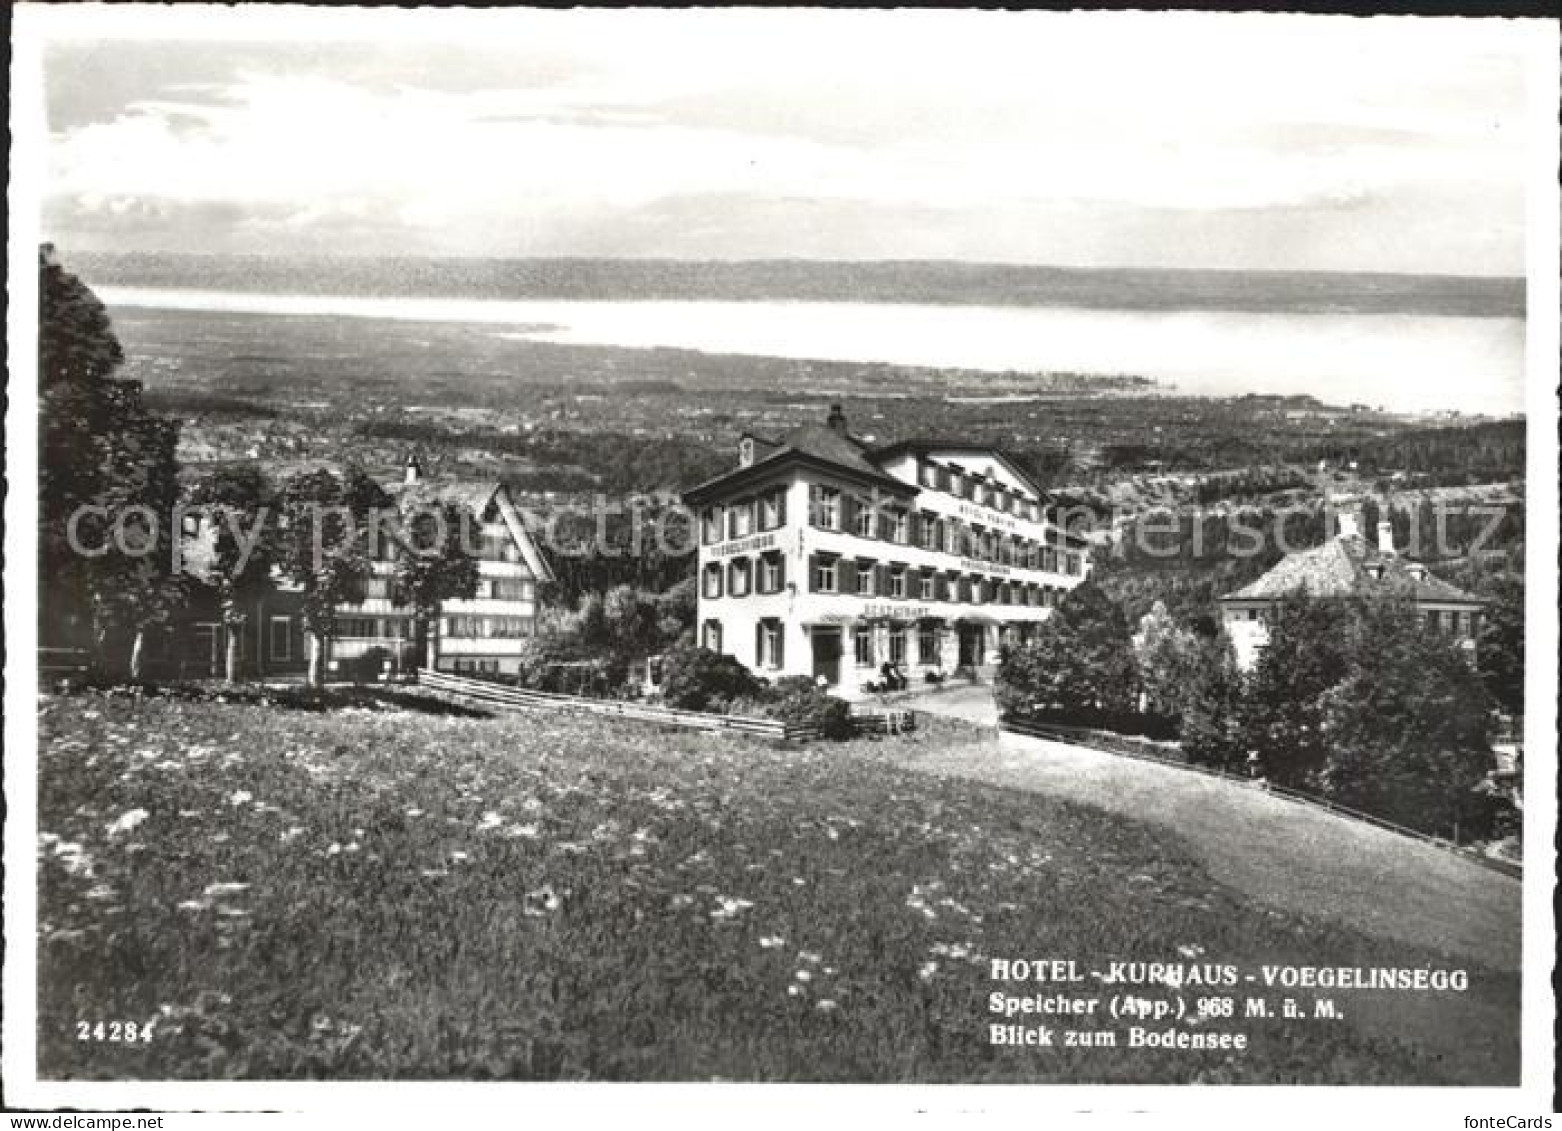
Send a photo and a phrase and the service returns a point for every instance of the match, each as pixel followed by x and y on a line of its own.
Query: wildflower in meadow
pixel 128 821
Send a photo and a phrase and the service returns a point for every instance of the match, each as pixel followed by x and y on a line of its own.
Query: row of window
pixel 489 627
pixel 488 588
pixel 374 628
pixel 829 573
pixel 770 644
pixel 832 509
pixel 483 667
pixel 954 480
pixel 1457 623
pixel 737 578
pixel 767 511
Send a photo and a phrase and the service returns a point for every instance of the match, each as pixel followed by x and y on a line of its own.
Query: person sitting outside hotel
pixel 894 678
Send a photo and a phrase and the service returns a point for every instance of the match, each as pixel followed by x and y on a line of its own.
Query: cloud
pixel 925 118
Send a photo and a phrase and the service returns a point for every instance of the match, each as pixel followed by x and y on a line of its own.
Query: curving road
pixel 1297 858
pixel 1283 853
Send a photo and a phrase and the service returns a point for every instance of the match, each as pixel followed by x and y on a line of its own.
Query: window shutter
pixel 780 572
pixel 780 646
pixel 781 506
pixel 914 529
pixel 850 505
pixel 846 575
pixel 813 573
pixel 759 643
pixel 881 580
pixel 813 504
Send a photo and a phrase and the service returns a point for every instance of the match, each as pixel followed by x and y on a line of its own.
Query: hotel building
pixel 821 555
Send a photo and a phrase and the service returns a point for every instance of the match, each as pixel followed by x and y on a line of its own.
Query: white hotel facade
pixel 821 555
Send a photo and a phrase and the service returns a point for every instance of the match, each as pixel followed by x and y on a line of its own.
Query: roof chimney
pixel 1385 538
pixel 414 470
pixel 1350 524
pixel 837 420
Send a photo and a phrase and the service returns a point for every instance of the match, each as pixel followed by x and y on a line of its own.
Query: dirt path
pixel 1306 861
pixel 1273 850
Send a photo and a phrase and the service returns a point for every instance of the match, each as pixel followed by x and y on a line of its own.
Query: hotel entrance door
pixel 827 654
pixel 971 636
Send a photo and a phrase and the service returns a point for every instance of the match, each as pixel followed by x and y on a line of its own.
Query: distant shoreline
pixel 918 282
pixel 1402 363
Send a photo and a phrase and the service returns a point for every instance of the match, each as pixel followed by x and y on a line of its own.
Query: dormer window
pixel 746 451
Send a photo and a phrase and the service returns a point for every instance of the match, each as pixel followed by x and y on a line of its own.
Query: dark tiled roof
pixel 1324 570
pixel 811 443
pixel 1343 565
pixel 824 442
pixel 473 494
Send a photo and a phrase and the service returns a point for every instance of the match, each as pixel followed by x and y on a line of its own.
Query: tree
pixel 1306 654
pixel 1499 646
pixel 323 546
pixel 240 526
pixel 676 610
pixel 1167 658
pixel 1211 730
pixel 107 477
pixel 1407 723
pixel 1081 662
pixel 433 566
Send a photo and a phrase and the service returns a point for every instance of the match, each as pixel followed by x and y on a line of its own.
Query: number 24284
pixel 119 1032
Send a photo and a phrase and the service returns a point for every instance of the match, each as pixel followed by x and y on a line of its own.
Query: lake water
pixel 1402 362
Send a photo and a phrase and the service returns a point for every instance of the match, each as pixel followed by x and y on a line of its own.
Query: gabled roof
pixel 473 494
pixel 925 445
pixel 1343 565
pixel 814 445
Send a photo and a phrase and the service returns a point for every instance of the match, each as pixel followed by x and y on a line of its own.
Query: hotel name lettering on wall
pixel 897 612
pixel 744 545
pixel 985 567
pixel 991 518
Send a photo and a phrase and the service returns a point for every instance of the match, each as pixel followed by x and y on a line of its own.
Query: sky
pixel 1161 139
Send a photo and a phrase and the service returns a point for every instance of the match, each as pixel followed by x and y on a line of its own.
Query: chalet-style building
pixel 485 633
pixel 822 555
pixel 1345 564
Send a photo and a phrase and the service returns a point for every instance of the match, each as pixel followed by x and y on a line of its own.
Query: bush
pixel 811 707
pixel 697 679
pixel 789 685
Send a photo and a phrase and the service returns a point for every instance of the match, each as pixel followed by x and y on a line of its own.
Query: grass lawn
pixel 375 891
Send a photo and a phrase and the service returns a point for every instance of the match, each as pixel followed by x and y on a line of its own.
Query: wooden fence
pixel 63 661
pixel 504 696
pixel 1148 751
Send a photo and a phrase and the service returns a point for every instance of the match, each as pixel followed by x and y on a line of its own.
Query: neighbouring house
pixel 486 633
pixel 823 555
pixel 1347 563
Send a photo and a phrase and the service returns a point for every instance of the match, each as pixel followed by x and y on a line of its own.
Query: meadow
pixel 399 889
